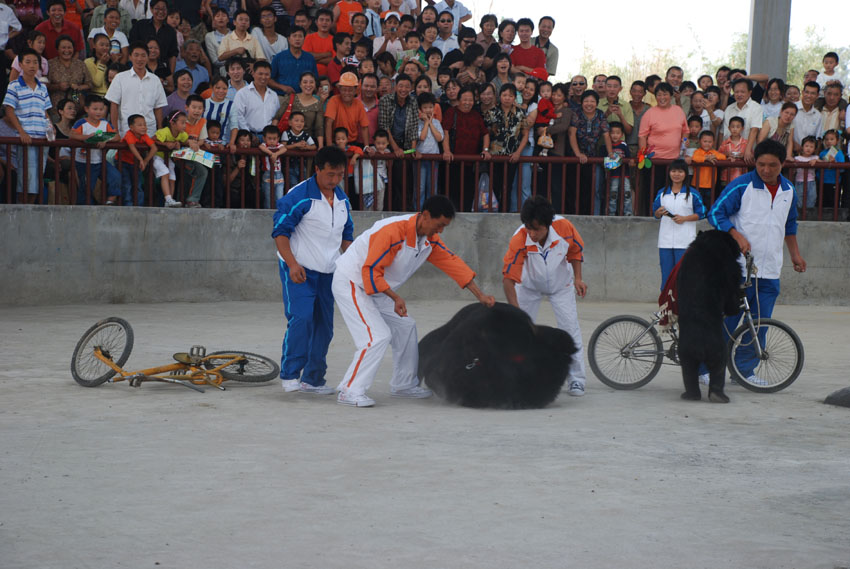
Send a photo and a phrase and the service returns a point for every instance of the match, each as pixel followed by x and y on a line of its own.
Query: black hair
pixel 694 118
pixel 213 123
pixel 386 57
pixel 239 12
pixel 504 24
pixel 444 71
pixel 194 99
pixel 741 80
pixel 174 115
pixel 433 51
pixel 268 8
pixel 617 124
pixel 130 120
pixel 813 84
pixel 833 132
pixel 789 105
pixel 664 87
pixel 550 18
pixel 831 54
pixel 424 78
pixel 409 19
pixel 180 73
pixel 465 33
pixel 63 37
pixel 296 113
pixel 439 206
pixel 590 93
pixel 219 9
pixel 499 57
pixel 712 89
pixel 472 53
pixel 340 37
pixel 673 68
pixel 488 18
pixel 412 34
pixel 563 88
pixel 330 156
pixel 686 84
pixel 507 87
pixel 29 51
pixel 338 130
pixel 242 132
pixel 262 63
pixel 218 79
pixel 426 98
pixel 403 77
pixel 779 83
pixel 444 12
pixel 615 78
pixel 52 3
pixel 680 164
pixel 109 10
pixel 370 75
pixel 651 80
pixel 92 99
pixel 271 129
pixel 173 10
pixel 771 147
pixel 468 88
pixel 297 29
pixel 809 138
pixel 525 22
pixel 325 12
pixel 738 119
pixel 537 209
pixel 381 133
pixel 96 37
pixel 706 133
pixel 639 83
pixel 706 75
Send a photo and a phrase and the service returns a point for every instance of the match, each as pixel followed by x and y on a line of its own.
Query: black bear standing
pixel 495 357
pixel 708 289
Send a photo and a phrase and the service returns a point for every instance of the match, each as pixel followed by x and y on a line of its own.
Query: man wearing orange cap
pixel 345 111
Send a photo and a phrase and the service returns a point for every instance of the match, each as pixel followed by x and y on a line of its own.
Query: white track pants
pixel 564 306
pixel 374 326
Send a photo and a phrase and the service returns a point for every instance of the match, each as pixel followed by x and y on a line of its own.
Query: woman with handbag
pixel 466 135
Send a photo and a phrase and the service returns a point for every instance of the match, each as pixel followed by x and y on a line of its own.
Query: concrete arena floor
pixel 166 477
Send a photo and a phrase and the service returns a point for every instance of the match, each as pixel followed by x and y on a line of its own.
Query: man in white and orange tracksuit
pixel 544 260
pixel 378 262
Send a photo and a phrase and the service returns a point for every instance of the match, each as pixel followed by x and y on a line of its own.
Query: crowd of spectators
pixel 382 78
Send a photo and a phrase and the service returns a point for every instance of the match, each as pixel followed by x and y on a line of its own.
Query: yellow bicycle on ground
pixel 106 346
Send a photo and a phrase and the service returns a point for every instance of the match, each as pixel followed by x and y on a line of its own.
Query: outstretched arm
pixel 485 299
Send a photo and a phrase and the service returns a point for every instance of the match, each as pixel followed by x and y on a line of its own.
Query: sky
pixel 613 29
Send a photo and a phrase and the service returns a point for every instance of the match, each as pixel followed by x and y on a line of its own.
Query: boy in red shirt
pixel 137 133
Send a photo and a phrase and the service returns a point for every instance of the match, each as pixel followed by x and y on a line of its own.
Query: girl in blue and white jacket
pixel 678 206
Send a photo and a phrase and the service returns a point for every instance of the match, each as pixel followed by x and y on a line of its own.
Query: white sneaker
pixel 704 378
pixel 290 385
pixel 416 392
pixel 173 203
pixel 361 400
pixel 576 389
pixel 317 389
pixel 756 380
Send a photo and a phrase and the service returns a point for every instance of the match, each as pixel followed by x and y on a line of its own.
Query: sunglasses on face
pixel 445 21
pixel 576 84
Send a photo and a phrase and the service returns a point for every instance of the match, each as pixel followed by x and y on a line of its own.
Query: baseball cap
pixel 393 14
pixel 540 73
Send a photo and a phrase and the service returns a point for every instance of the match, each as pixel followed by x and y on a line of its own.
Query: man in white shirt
pixel 256 105
pixel 136 91
pixel 10 26
pixel 460 12
pixel 446 40
pixel 809 120
pixel 748 110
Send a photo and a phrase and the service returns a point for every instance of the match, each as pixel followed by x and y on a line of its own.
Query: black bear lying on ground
pixel 708 289
pixel 495 357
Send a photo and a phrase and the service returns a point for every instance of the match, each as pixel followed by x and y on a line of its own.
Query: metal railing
pixel 387 183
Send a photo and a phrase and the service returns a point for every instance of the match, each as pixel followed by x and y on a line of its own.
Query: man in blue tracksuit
pixel 759 210
pixel 312 223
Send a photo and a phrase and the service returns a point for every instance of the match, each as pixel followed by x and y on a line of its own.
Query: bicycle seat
pixel 184 358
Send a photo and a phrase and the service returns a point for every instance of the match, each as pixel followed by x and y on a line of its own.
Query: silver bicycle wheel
pixel 779 364
pixel 625 352
pixel 114 337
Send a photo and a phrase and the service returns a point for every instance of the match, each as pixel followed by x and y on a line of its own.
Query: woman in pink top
pixel 662 127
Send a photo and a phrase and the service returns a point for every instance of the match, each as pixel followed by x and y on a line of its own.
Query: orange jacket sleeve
pixel 449 263
pixel 568 231
pixel 383 246
pixel 515 257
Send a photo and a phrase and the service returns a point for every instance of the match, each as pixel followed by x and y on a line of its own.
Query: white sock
pixel 169 199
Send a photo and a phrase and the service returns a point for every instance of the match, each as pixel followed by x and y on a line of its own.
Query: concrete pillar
pixel 767 44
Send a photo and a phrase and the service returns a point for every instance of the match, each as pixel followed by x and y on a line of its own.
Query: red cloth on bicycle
pixel 668 300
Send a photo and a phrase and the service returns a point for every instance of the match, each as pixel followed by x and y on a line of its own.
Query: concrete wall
pixel 70 255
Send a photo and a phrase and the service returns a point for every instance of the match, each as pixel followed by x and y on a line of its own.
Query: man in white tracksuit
pixel 544 260
pixel 367 275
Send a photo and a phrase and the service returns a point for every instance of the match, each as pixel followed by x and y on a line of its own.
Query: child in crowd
pixel 362 49
pixel 830 62
pixel 340 135
pixel 215 142
pixel 242 171
pixel 792 94
pixel 272 170
pixel 678 208
pixel 36 41
pixel 444 75
pixel 692 142
pixel 804 178
pixel 412 51
pixel 367 65
pixel 712 105
pixel 733 147
pixel 27 99
pixel 94 123
pixel 173 136
pixel 519 82
pixel 619 176
pixel 137 133
pixel 831 153
pixel 706 176
pixel 196 128
pixel 381 141
pixel 296 138
pixel 430 137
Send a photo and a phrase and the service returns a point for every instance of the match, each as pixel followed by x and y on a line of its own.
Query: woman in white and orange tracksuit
pixel 544 260
pixel 379 261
